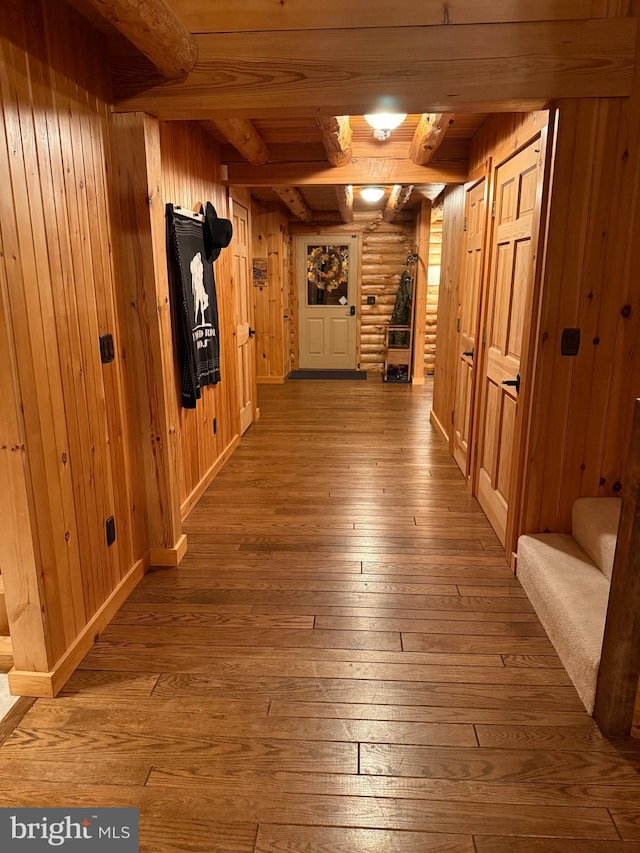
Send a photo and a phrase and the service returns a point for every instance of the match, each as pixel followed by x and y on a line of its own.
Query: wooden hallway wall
pixel 190 161
pixel 272 315
pixel 68 453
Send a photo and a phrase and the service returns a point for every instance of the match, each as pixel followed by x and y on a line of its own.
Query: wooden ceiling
pixel 281 64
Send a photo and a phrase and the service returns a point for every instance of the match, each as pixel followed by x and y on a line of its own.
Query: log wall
pixel 190 162
pixel 433 286
pixel 271 241
pixel 68 458
pixel 384 250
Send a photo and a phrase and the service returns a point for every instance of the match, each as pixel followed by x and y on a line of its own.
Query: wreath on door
pixel 327 267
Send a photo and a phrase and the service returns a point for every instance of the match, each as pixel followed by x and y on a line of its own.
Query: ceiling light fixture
pixel 384 123
pixel 372 194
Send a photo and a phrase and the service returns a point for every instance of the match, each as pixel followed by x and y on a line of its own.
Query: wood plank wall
pixel 271 241
pixel 191 173
pixel 71 422
pixel 384 247
pixel 446 337
pixel 433 286
pixel 582 406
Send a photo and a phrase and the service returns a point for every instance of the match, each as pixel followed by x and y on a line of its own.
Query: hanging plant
pixel 327 267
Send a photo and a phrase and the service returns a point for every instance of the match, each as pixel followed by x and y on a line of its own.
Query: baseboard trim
pixel 270 380
pixel 418 380
pixel 436 423
pixel 46 685
pixel 188 504
pixel 169 557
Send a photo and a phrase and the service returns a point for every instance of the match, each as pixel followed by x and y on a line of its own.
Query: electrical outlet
pixel 371 300
pixel 110 530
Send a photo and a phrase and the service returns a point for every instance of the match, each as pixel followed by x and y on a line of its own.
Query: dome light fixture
pixel 384 123
pixel 372 194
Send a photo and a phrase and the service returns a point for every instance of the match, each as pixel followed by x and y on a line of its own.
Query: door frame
pixel 354 270
pixel 242 197
pixel 531 331
pixel 482 173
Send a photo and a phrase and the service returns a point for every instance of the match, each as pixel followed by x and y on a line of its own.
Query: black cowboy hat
pixel 217 233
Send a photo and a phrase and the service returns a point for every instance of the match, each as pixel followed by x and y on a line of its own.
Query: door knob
pixel 514 383
pixel 352 310
pixel 251 332
pixel 468 354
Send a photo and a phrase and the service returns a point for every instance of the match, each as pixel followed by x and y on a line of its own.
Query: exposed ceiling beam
pixel 336 138
pixel 398 197
pixel 425 69
pixel 154 29
pixel 294 201
pixel 429 135
pixel 231 16
pixel 243 136
pixel 363 170
pixel 344 194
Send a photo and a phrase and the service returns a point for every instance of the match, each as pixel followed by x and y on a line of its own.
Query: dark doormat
pixel 328 374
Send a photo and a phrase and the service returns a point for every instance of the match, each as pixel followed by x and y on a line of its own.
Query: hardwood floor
pixel 343 663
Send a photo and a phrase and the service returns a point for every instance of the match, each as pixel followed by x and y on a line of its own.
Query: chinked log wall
pixel 384 250
pixel 82 256
pixel 433 287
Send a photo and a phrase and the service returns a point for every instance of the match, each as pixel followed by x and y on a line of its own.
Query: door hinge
pixel 475 447
pixel 466 222
pixel 458 324
pixel 493 209
pixel 484 335
pixel 453 411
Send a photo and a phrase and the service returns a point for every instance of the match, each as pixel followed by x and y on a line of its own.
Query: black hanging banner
pixel 195 303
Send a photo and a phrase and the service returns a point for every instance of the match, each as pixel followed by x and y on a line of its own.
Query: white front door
pixel 327 295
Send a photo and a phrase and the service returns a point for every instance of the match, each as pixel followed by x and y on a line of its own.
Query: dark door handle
pixel 251 332
pixel 352 310
pixel 514 383
pixel 468 354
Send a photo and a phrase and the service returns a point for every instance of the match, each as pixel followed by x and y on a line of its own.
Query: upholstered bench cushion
pixel 570 595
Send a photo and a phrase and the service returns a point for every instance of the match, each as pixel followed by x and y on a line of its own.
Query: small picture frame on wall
pixel 260 276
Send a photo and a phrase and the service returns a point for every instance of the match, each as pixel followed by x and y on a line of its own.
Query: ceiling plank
pixel 231 16
pixel 154 29
pixel 344 194
pixel 244 138
pixel 398 197
pixel 364 170
pixel 428 69
pixel 429 135
pixel 336 138
pixel 294 201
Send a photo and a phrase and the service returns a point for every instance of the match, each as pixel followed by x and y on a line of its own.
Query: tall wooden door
pixel 327 302
pixel 245 339
pixel 517 192
pixel 471 285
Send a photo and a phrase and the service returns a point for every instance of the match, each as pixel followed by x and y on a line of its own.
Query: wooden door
pixel 517 193
pixel 468 318
pixel 245 339
pixel 327 302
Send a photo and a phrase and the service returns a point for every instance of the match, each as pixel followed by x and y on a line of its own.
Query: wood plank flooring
pixel 343 663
